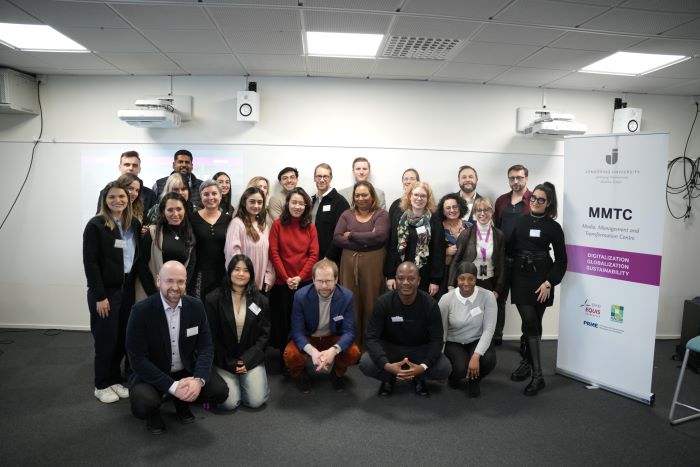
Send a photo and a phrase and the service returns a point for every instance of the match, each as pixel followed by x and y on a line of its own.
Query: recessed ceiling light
pixel 632 64
pixel 37 38
pixel 335 44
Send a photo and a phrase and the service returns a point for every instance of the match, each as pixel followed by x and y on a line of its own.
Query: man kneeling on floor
pixel 323 328
pixel 170 349
pixel 404 336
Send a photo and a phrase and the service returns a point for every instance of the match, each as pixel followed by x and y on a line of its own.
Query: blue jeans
pixel 249 388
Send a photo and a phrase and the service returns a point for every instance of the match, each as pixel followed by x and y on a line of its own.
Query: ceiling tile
pixel 142 63
pixel 399 67
pixel 12 14
pixel 16 59
pixel 165 16
pixel 667 46
pixel 432 27
pixel 265 42
pixel 249 2
pixel 494 54
pixel 689 30
pixel 592 2
pixel 345 66
pixel 471 71
pixel 208 64
pixel 595 41
pixel 690 69
pixel 256 19
pixel 329 21
pixel 689 88
pixel 68 14
pixel 519 76
pixel 377 5
pixel 79 61
pixel 562 59
pixel 523 35
pixel 637 21
pixel 265 63
pixel 109 40
pixel 680 6
pixel 470 9
pixel 652 84
pixel 180 40
pixel 549 12
pixel 598 82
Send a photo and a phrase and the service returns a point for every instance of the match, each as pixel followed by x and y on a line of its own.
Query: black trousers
pixel 146 399
pixel 417 354
pixel 281 300
pixel 109 334
pixel 501 301
pixel 460 354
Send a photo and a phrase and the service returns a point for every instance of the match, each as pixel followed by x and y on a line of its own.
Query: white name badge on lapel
pixel 192 331
pixel 120 243
pixel 475 312
pixel 254 308
pixel 397 319
pixel 327 208
pixel 534 232
pixel 338 318
pixel 421 230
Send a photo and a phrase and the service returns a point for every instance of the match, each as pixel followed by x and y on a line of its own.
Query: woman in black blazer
pixel 239 318
pixel 110 253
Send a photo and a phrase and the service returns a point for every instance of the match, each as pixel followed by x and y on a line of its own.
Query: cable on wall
pixel 31 160
pixel 691 176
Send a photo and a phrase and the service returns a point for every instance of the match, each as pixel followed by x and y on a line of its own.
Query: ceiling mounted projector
pixel 158 112
pixel 545 122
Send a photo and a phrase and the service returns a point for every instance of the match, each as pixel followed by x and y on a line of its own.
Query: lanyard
pixel 482 241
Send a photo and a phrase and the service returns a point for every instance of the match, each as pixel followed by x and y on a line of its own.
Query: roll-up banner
pixel 614 208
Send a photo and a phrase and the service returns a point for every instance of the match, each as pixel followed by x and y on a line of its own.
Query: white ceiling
pixel 534 43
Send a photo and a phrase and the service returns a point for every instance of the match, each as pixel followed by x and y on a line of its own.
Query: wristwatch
pixel 201 380
pixel 337 348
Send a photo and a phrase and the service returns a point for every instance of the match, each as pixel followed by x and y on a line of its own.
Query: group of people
pixel 188 290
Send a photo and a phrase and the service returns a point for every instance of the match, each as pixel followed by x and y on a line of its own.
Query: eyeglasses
pixel 419 195
pixel 451 208
pixel 323 177
pixel 484 210
pixel 536 200
pixel 297 203
pixel 514 179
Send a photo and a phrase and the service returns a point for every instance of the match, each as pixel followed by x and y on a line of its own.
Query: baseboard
pixel 60 327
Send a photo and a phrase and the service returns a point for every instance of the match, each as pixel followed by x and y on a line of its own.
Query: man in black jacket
pixel 170 348
pixel 130 163
pixel 328 205
pixel 182 162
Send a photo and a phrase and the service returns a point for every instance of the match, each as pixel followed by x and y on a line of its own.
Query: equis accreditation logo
pixel 591 309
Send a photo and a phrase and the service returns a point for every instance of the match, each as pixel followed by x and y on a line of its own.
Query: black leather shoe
pixel 155 424
pixel 183 413
pixel 421 388
pixel 338 382
pixel 474 390
pixel 536 384
pixel 386 388
pixel 303 383
pixel 523 372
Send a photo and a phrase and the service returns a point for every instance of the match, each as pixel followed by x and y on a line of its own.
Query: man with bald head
pixel 170 348
pixel 404 336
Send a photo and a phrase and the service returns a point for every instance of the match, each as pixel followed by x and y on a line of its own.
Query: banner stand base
pixel 646 398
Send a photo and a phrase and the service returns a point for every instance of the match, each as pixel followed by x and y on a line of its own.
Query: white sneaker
pixel 120 391
pixel 106 395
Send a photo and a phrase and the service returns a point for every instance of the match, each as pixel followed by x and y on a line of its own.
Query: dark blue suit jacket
pixel 305 316
pixel 148 342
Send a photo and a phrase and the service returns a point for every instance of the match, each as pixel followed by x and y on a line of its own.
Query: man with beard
pixel 510 206
pixel 288 178
pixel 182 162
pixel 467 179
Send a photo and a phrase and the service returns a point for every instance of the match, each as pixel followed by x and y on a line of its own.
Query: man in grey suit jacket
pixel 169 344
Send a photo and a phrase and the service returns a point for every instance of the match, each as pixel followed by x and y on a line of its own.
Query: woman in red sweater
pixel 293 251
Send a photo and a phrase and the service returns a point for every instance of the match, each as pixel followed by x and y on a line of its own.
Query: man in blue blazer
pixel 323 328
pixel 170 349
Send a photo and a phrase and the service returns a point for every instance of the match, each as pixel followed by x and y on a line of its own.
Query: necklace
pixel 176 234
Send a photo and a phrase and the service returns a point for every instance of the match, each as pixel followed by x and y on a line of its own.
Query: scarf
pixel 422 251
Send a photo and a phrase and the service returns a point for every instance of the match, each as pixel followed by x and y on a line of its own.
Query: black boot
pixel 537 381
pixel 523 346
pixel 524 370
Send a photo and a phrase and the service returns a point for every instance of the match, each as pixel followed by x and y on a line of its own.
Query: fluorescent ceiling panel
pixel 632 64
pixel 37 38
pixel 336 44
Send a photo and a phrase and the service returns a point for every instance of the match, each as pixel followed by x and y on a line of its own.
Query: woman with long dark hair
pixel 293 252
pixel 534 276
pixel 239 318
pixel 224 182
pixel 110 257
pixel 133 185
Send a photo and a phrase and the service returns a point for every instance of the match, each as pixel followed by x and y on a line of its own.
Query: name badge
pixel 327 208
pixel 475 312
pixel 483 245
pixel 120 243
pixel 397 319
pixel 254 308
pixel 192 331
pixel 420 230
pixel 535 232
pixel 338 318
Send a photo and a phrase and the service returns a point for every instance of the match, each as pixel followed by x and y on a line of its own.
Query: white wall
pixel 42 282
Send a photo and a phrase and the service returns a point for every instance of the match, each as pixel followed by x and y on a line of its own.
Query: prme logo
pixel 591 324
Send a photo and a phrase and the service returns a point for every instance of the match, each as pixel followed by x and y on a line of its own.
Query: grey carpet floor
pixel 48 416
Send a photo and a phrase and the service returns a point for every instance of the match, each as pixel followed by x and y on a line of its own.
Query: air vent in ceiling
pixel 431 48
